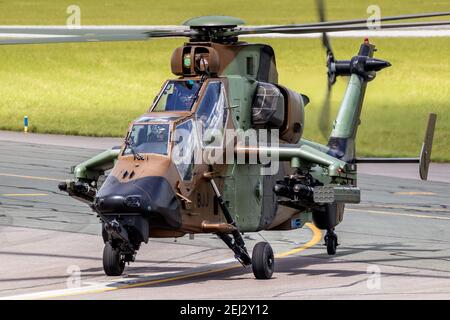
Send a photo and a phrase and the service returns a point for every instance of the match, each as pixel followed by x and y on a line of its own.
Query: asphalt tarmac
pixel 395 244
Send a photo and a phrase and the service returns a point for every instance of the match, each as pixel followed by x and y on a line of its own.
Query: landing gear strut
pixel 331 241
pixel 262 260
pixel 115 255
pixel 118 249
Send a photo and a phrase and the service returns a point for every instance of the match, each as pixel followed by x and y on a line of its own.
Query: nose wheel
pixel 263 261
pixel 113 260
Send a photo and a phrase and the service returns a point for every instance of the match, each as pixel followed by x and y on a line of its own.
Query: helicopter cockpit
pixel 148 138
pixel 180 107
pixel 177 96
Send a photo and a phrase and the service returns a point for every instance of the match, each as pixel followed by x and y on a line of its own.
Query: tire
pixel 263 261
pixel 113 264
pixel 331 245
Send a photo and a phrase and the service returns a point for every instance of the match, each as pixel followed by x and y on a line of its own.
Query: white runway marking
pixel 154 278
pixel 91 287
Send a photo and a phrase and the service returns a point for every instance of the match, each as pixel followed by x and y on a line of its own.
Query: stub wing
pixel 86 175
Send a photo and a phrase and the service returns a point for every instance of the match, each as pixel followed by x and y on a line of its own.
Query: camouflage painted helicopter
pixel 223 83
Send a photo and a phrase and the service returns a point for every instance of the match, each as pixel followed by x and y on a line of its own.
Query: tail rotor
pixel 324 119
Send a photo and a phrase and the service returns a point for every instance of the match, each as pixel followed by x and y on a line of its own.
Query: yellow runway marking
pixel 29 177
pixel 422 216
pixel 186 276
pixel 23 194
pixel 317 236
pixel 415 193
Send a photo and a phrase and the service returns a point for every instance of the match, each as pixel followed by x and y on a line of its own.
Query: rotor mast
pixel 214 28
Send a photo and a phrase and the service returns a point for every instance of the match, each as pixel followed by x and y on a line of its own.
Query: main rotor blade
pixel 57 34
pixel 358 21
pixel 321 29
pixel 83 30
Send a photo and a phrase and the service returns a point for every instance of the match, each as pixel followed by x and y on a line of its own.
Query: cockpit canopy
pixel 148 138
pixel 181 117
pixel 177 95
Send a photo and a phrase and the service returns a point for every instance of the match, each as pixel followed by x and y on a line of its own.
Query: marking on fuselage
pixel 124 283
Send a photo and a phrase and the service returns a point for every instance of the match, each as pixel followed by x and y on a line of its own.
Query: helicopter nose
pixel 149 196
pixel 121 204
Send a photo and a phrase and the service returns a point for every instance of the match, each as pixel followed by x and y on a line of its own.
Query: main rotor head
pixel 213 28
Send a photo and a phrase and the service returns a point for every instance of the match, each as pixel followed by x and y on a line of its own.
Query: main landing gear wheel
pixel 331 241
pixel 263 261
pixel 113 263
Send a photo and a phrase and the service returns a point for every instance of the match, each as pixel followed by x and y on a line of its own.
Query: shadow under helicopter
pixel 304 265
pixel 299 265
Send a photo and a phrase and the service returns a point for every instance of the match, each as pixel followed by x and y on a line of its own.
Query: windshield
pixel 148 138
pixel 177 96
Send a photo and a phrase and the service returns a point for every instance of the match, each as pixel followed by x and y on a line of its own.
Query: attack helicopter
pixel 141 189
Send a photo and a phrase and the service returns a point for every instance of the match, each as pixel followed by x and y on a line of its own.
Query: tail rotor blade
pixel 325 40
pixel 324 118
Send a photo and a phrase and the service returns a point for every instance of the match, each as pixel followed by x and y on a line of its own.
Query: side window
pixel 212 114
pixel 183 150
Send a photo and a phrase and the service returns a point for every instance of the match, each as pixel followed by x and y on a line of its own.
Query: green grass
pixel 97 89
